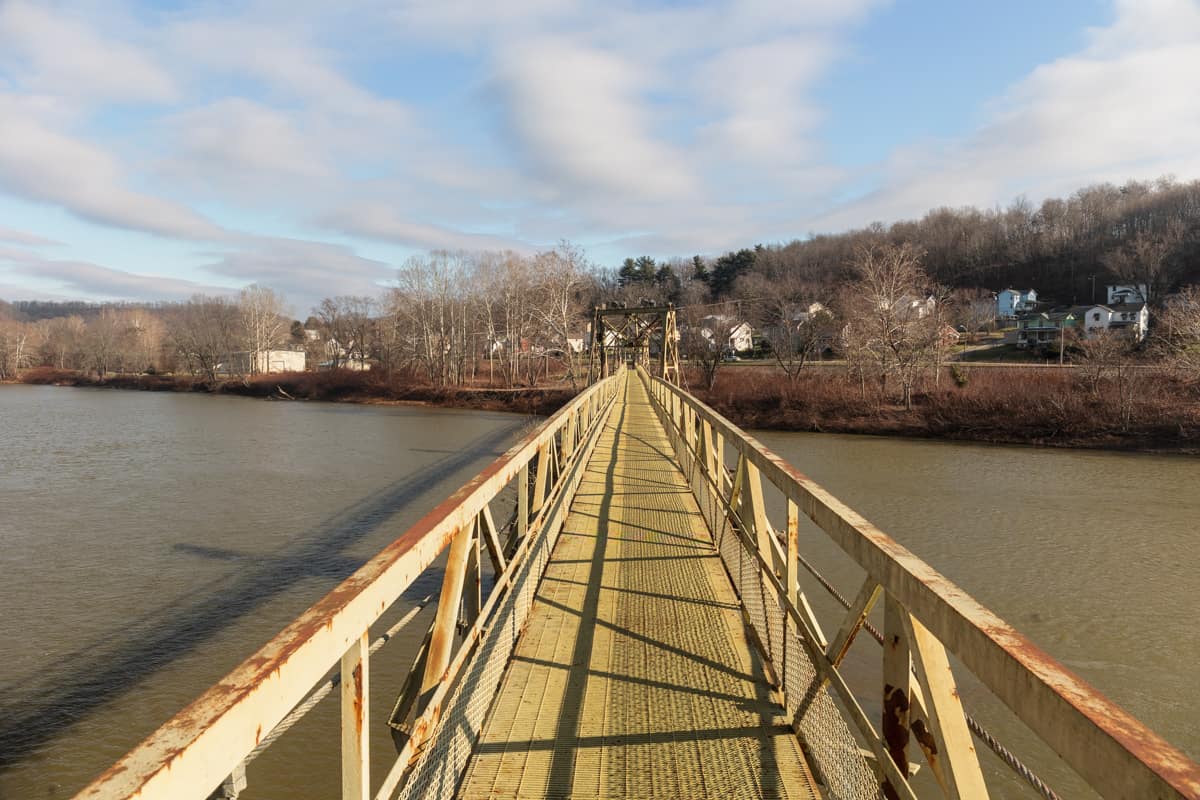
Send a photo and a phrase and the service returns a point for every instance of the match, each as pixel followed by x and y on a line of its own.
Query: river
pixel 150 542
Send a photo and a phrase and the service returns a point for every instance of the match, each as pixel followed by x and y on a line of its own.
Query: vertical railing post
pixel 942 733
pixel 543 473
pixel 472 601
pixel 442 640
pixel 897 679
pixel 355 692
pixel 523 502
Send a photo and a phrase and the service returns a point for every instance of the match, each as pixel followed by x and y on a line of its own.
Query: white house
pixel 1011 302
pixel 739 337
pixel 264 361
pixel 1127 294
pixel 1133 318
pixel 920 307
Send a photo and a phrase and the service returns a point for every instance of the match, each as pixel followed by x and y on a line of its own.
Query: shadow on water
pixel 35 710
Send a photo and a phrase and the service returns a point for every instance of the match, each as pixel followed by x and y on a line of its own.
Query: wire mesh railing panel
pixel 441 763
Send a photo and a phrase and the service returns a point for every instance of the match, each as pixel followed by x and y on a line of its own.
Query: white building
pixel 1011 302
pixel 1133 318
pixel 264 361
pixel 1127 294
pixel 802 315
pixel 738 336
pixel 910 306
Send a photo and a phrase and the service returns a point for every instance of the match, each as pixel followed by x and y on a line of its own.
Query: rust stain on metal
pixel 359 700
pixel 859 538
pixel 925 739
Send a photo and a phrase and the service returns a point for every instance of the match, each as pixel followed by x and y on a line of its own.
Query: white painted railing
pixel 925 615
pixel 196 752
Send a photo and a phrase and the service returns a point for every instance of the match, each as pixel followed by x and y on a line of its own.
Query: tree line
pixel 451 315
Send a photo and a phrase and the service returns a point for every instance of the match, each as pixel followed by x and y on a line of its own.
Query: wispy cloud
pixel 1123 107
pixel 43 164
pixel 81 278
pixel 21 237
pixel 303 271
pixel 256 129
pixel 51 51
pixel 375 221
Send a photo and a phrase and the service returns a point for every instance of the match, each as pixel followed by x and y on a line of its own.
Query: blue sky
pixel 154 150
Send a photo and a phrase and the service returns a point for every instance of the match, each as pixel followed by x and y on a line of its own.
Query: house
pixel 910 306
pixel 1012 302
pixel 1046 329
pixel 1130 318
pixel 804 314
pixel 344 357
pixel 263 361
pixel 1127 294
pixel 352 363
pixel 728 333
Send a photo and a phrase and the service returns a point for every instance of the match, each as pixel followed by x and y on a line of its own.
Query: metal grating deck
pixel 634 677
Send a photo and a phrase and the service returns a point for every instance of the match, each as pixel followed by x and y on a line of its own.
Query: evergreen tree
pixel 700 270
pixel 728 268
pixel 628 273
pixel 646 269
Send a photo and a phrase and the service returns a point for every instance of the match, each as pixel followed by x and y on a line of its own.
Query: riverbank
pixel 1133 412
pixel 1145 411
pixel 339 386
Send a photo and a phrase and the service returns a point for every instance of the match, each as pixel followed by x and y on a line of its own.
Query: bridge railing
pixel 925 616
pixel 194 754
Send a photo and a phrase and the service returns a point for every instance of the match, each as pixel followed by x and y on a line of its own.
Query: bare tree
pixel 16 347
pixel 1106 367
pixel 1179 333
pixel 349 328
pixel 974 310
pixel 560 280
pixel 204 331
pixel 1147 260
pixel 62 341
pixel 702 342
pixel 264 323
pixel 895 318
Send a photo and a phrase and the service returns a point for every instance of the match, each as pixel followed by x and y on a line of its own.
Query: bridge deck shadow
pixel 634 676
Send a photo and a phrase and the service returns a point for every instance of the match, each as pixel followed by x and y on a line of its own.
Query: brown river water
pixel 150 542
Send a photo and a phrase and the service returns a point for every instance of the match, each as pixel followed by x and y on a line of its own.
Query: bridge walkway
pixel 634 676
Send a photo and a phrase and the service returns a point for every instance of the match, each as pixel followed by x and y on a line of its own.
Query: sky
pixel 154 150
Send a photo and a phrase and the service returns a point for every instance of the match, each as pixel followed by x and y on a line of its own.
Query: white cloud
pixel 84 279
pixel 57 53
pixel 377 221
pixel 22 237
pixel 284 60
pixel 757 93
pixel 580 120
pixel 238 137
pixel 304 271
pixel 42 164
pixel 1124 107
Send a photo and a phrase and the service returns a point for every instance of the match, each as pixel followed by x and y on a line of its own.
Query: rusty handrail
pixel 1115 753
pixel 193 752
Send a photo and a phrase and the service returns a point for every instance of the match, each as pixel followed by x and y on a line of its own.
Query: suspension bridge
pixel 625 613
